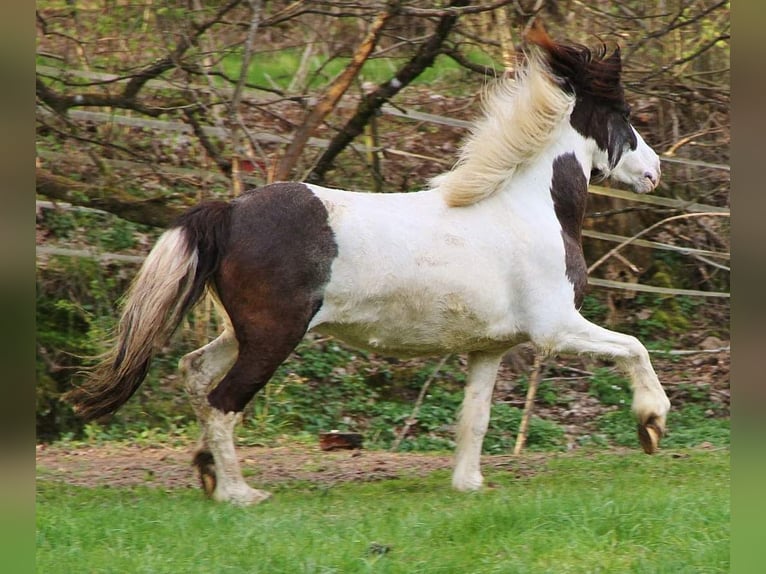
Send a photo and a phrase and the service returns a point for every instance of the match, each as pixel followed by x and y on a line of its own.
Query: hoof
pixel 242 496
pixel 471 484
pixel 649 435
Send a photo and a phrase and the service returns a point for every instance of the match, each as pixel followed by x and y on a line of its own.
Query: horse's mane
pixel 521 114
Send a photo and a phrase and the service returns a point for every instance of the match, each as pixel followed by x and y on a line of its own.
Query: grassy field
pixel 597 512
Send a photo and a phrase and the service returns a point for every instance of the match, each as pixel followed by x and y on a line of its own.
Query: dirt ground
pixel 166 466
pixel 170 467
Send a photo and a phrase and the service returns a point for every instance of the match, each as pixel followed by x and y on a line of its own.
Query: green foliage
pixel 548 392
pixel 670 314
pixel 593 309
pixel 176 431
pixel 504 426
pixel 687 426
pixel 581 513
pixel 75 308
pixel 609 387
pixel 63 338
pixel 101 230
pixel 328 387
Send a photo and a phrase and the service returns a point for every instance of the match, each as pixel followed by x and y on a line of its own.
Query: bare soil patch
pixel 122 465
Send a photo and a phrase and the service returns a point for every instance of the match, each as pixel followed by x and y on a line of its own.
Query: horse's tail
pixel 169 283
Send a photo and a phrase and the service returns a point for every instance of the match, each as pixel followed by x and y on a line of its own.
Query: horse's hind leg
pixel 474 419
pixel 650 403
pixel 201 370
pixel 266 336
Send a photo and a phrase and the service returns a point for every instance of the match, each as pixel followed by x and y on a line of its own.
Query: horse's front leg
pixel 650 403
pixel 474 419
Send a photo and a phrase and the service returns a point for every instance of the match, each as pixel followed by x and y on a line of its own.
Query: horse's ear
pixel 615 61
pixel 538 36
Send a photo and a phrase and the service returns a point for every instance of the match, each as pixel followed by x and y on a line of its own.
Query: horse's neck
pixel 534 180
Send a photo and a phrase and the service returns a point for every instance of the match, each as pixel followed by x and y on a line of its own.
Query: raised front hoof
pixel 241 495
pixel 649 435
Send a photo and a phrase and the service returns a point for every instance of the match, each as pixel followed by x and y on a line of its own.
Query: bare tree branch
pixel 371 102
pixel 460 58
pixel 127 98
pixel 333 94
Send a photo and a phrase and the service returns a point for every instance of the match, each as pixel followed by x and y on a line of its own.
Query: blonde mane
pixel 520 117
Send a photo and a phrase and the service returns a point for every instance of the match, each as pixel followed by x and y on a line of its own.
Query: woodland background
pixel 145 108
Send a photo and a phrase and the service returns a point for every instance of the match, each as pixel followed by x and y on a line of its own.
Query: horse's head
pixel 600 113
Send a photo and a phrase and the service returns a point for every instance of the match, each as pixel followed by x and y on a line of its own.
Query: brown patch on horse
pixel 203 460
pixel 271 282
pixel 569 190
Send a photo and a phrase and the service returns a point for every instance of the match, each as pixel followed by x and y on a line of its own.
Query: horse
pixel 489 255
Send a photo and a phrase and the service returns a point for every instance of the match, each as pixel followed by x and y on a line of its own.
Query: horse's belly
pixel 408 326
pixel 403 344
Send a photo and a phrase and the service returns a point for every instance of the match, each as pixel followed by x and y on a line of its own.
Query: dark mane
pixel 585 72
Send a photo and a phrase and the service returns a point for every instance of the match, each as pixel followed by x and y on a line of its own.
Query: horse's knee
pixel 205 366
pixel 635 349
pixel 189 363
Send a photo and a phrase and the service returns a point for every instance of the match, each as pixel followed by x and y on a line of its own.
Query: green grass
pixel 579 513
pixel 278 68
pixel 687 426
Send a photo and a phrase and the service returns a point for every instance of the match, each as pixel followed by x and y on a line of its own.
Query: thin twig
pixel 726 349
pixel 629 240
pixel 534 379
pixel 412 419
pixel 235 125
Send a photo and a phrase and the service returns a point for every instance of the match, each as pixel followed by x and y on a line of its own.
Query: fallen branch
pixel 154 211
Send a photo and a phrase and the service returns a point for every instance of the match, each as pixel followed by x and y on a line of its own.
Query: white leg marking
pixel 202 369
pixel 230 484
pixel 474 419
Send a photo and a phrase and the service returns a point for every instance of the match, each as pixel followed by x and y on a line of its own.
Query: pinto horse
pixel 487 257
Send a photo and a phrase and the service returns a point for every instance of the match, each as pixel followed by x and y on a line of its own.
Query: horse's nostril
pixel 651 176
